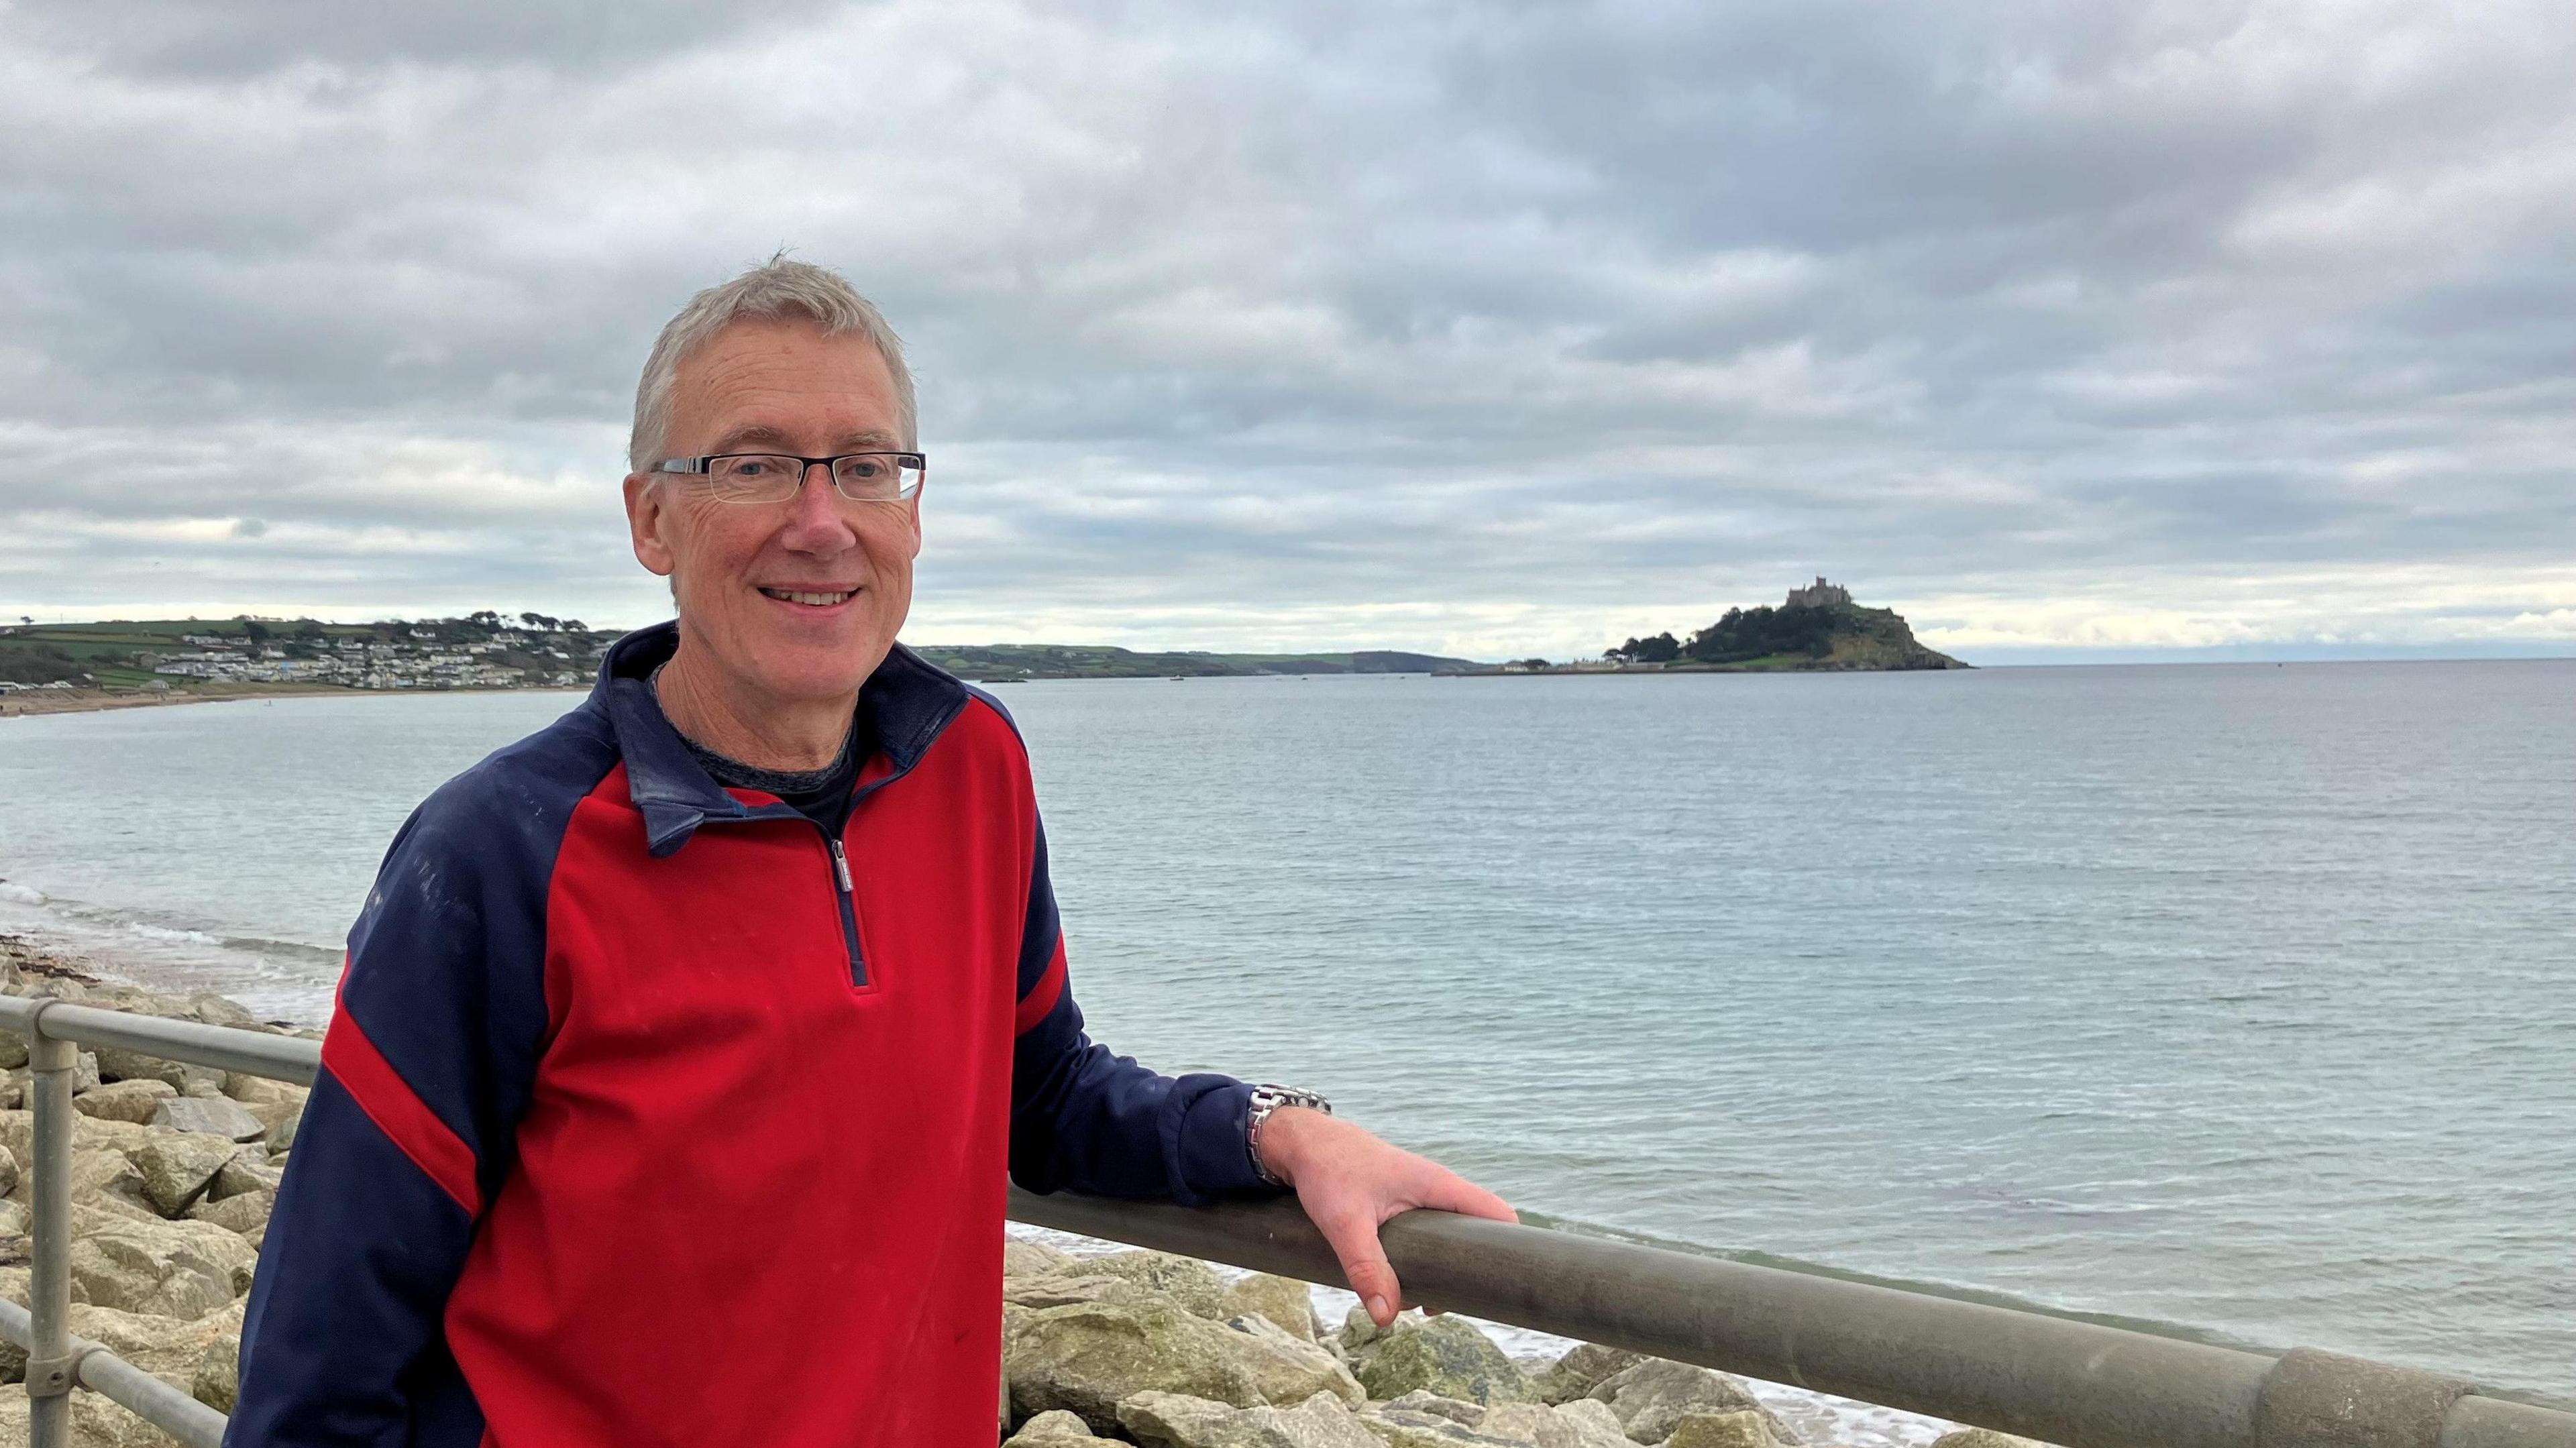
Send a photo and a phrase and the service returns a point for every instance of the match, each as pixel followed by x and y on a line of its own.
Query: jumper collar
pixel 906 702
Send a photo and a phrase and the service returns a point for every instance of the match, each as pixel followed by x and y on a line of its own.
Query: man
pixel 684 1045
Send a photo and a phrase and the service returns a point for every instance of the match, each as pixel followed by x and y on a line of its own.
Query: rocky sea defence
pixel 1145 1348
pixel 175 1169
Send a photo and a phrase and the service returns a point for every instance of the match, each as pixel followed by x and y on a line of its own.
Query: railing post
pixel 51 1368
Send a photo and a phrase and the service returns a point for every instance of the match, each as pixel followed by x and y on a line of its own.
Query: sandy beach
pixel 22 703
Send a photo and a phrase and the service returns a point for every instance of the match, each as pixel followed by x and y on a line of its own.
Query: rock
pixel 13 1358
pixel 1060 1290
pixel 220 1116
pixel 281 1118
pixel 1172 1420
pixel 217 1380
pixel 1546 1427
pixel 1982 1438
pixel 1445 1355
pixel 178 1166
pixel 1175 1420
pixel 13 1050
pixel 1047 1430
pixel 1456 1410
pixel 1652 1396
pixel 215 1010
pixel 1359 1329
pixel 168 1269
pixel 18 1133
pixel 8 1171
pixel 1090 1356
pixel 15 1218
pixel 166 1347
pixel 1028 1259
pixel 115 1064
pixel 135 998
pixel 1721 1430
pixel 1284 1300
pixel 107 1181
pixel 1192 1285
pixel 95 1423
pixel 243 1212
pixel 1582 1423
pixel 131 1100
pixel 1581 1370
pixel 249 1170
pixel 1401 1428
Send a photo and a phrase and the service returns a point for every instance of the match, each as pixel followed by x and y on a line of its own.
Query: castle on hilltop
pixel 1821 596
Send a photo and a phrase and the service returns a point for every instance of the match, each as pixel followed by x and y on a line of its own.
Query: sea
pixel 2236 1001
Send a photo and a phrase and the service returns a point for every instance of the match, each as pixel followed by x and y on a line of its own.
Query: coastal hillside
pixel 1816 628
pixel 154 660
pixel 215 657
pixel 1000 663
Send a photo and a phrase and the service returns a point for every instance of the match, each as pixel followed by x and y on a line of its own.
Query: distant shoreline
pixel 29 703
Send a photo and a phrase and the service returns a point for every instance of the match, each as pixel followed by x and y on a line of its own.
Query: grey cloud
pixel 1472 313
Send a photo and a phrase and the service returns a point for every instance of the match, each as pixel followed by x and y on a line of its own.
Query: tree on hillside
pixel 1762 632
pixel 485 617
pixel 42 664
pixel 1663 648
pixel 574 625
pixel 255 631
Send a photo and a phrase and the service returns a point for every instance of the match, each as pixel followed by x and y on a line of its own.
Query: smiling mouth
pixel 810 600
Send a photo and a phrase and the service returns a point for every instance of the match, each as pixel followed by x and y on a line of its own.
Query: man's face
pixel 783 386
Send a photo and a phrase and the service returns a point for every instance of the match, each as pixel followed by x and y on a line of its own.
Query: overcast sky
pixel 1501 328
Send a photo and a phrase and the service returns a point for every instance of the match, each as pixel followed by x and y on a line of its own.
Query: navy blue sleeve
pixel 426 1070
pixel 1086 1119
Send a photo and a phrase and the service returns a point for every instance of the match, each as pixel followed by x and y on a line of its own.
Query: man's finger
pixel 1364 1265
pixel 1450 1192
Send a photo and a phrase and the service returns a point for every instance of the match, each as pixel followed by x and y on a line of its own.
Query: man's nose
pixel 816 521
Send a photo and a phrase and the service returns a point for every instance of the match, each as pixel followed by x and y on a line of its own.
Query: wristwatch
pixel 1266 1099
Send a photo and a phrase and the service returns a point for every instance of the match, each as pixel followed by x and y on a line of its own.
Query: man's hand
pixel 1350 1183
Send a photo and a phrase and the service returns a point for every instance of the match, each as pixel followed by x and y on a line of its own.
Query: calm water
pixel 2236 997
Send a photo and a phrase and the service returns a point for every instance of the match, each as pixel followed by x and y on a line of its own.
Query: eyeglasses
pixel 862 477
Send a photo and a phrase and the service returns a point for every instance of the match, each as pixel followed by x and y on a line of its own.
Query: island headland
pixel 1817 629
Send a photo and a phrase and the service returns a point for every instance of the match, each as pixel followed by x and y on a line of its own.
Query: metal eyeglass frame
pixel 702 465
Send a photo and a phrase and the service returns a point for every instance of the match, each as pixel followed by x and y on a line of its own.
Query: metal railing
pixel 2073 1383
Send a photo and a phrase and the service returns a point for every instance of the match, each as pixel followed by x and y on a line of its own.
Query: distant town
pixel 484 650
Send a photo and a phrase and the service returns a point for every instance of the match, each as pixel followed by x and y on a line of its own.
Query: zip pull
pixel 841 867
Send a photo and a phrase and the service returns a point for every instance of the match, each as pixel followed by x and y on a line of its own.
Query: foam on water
pixel 271 979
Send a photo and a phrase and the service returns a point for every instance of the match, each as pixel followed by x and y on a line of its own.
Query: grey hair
pixel 776 288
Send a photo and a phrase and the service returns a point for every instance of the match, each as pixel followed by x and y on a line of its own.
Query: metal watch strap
pixel 1266 1099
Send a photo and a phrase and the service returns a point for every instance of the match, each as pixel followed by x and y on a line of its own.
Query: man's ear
pixel 648 517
